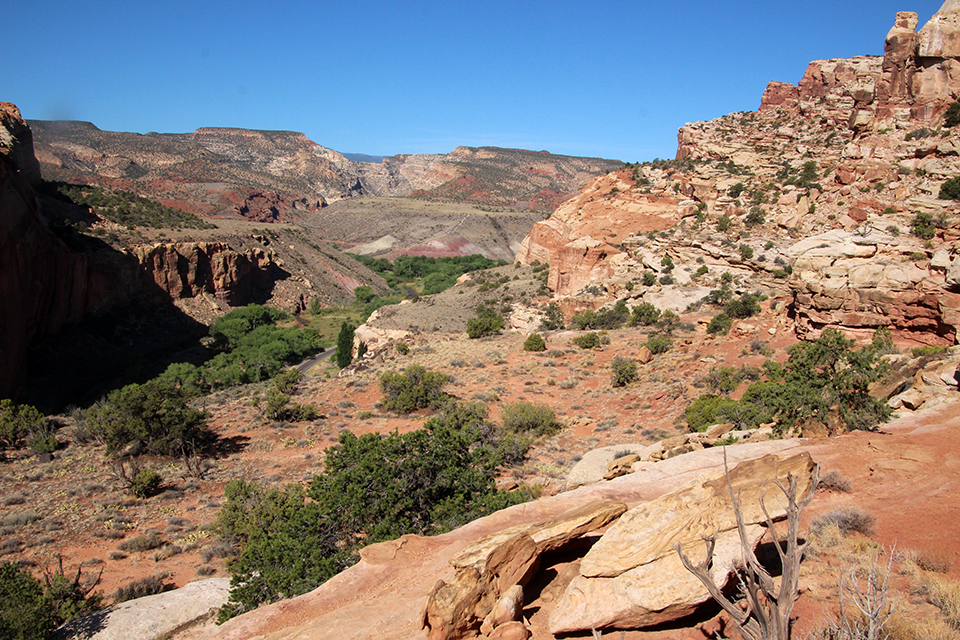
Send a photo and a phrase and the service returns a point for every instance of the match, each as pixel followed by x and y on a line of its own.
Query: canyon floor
pixel 73 507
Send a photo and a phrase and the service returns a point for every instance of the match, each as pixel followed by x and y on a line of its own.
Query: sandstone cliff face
pixel 187 269
pixel 43 284
pixel 576 241
pixel 46 284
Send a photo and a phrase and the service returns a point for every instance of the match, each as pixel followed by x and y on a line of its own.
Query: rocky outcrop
pixel 576 240
pixel 385 594
pixel 867 279
pixel 633 578
pixel 915 80
pixel 16 145
pixel 186 269
pixel 43 283
pixel 153 617
pixel 492 571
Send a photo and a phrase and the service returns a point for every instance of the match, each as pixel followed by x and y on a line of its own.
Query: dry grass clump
pixel 944 594
pixel 848 520
pixel 938 561
pixel 20 518
pixel 151 585
pixel 141 543
pixel 834 481
pixel 907 628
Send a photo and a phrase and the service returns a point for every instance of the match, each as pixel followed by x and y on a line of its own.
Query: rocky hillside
pixel 88 301
pixel 830 192
pixel 268 176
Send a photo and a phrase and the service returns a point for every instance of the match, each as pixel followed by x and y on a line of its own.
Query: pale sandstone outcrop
pixel 864 280
pixel 153 617
pixel 632 576
pixel 488 588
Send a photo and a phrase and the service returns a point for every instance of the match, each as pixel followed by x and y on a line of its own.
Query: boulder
pixel 621 466
pixel 632 577
pixel 594 464
pixel 548 535
pixel 510 631
pixel 509 608
pixel 152 617
pixel 487 591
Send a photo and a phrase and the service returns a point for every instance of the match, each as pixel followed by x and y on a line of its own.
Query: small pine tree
pixel 345 345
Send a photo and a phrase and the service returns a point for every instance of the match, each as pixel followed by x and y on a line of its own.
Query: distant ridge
pixel 362 157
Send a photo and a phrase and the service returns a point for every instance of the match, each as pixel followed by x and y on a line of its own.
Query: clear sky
pixel 612 79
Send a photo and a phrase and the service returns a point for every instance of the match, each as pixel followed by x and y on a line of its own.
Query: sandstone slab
pixel 152 617
pixel 632 577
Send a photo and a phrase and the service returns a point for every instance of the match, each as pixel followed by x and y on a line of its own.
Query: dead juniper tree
pixel 871 597
pixel 767 614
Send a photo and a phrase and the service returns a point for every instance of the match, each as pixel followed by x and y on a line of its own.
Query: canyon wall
pixel 814 196
pixel 46 284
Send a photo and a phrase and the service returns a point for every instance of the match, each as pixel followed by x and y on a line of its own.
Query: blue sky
pixel 613 79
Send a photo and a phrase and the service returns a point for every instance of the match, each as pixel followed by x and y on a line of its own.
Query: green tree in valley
pixel 345 345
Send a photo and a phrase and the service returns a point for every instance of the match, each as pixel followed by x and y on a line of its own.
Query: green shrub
pixel 952 117
pixel 364 294
pixel 588 340
pixel 415 388
pixel 950 190
pixel 23 421
pixel 487 322
pixel 526 418
pixel 534 342
pixel 403 348
pixel 701 270
pixel 613 318
pixel 251 348
pixel 723 223
pixel 644 314
pixel 746 252
pixel 927 350
pixel 649 278
pixel 552 318
pixel 288 381
pixel 146 483
pixel 708 410
pixel 720 324
pixel 824 382
pixel 659 344
pixel 624 371
pixel 373 488
pixel 154 414
pixel 922 225
pixel 736 190
pixel 27 612
pixel 723 380
pixel 744 307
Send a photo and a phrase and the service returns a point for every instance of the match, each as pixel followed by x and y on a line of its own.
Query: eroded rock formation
pixel 186 269
pixel 856 149
pixel 632 577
